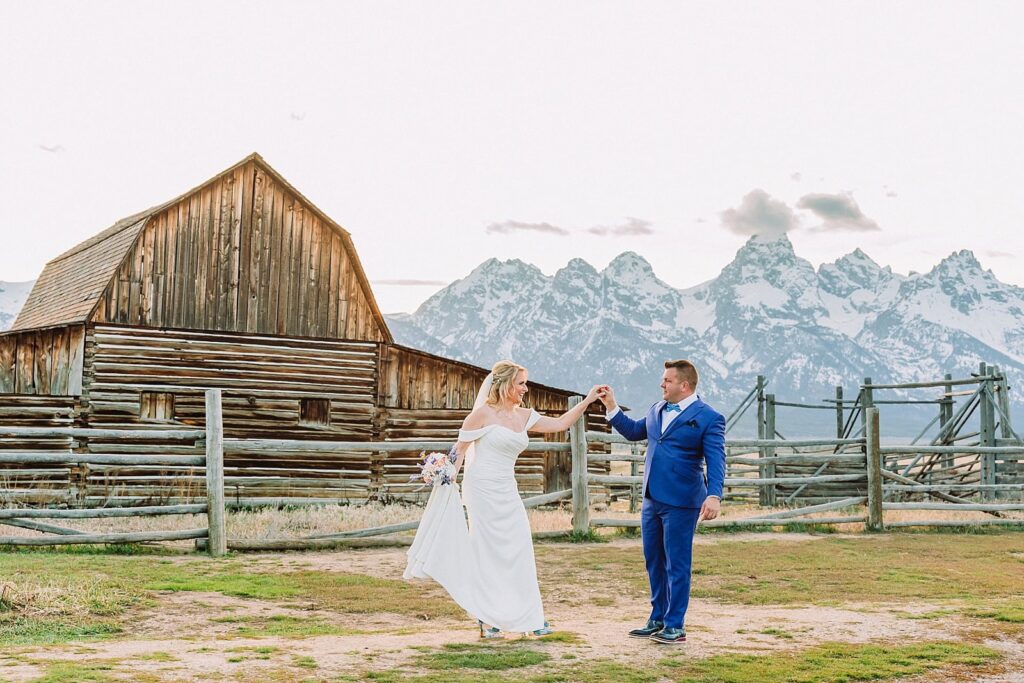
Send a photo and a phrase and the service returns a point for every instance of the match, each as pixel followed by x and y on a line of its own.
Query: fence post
pixel 839 412
pixel 769 469
pixel 634 470
pixel 874 467
pixel 867 400
pixel 580 494
pixel 945 415
pixel 987 431
pixel 762 492
pixel 217 543
pixel 1003 401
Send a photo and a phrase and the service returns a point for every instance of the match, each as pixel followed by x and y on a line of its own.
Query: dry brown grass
pixel 268 523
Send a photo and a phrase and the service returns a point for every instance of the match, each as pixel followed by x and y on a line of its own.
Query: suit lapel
pixel 656 417
pixel 690 411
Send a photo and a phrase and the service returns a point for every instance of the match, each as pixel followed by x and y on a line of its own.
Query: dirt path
pixel 196 638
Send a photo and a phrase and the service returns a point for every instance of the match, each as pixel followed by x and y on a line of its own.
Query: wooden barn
pixel 240 283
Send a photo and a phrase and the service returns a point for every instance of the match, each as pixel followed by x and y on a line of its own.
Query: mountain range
pixel 768 312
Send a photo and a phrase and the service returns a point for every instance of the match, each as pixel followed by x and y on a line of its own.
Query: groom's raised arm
pixel 633 430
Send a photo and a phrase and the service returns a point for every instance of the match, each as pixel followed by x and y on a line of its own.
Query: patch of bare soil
pixel 202 649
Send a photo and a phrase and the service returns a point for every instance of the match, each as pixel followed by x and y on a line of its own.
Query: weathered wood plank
pixel 8 363
pixel 300 283
pixel 133 537
pixel 312 278
pixel 25 365
pixel 256 247
pixel 104 513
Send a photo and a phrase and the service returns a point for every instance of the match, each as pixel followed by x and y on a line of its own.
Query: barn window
pixel 315 412
pixel 156 406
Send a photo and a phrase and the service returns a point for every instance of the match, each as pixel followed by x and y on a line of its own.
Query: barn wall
pixel 44 362
pixel 244 253
pixel 264 380
pixel 30 483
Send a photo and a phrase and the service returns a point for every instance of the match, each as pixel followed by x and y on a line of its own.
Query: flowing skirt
pixel 487 565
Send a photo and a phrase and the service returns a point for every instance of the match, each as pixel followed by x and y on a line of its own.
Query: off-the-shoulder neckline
pixel 526 427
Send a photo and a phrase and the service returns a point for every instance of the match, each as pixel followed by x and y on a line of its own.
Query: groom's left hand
pixel 710 509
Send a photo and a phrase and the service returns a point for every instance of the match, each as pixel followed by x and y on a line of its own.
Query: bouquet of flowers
pixel 437 468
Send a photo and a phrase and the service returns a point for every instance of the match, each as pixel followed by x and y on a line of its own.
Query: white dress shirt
pixel 666 416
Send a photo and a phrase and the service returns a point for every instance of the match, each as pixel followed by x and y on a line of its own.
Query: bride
pixel 488 566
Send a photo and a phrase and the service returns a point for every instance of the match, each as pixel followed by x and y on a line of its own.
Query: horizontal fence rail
pixel 851 479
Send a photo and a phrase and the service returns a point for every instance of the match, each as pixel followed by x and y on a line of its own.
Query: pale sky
pixel 441 134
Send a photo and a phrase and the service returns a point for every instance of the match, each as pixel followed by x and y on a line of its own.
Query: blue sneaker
pixel 669 636
pixel 647 631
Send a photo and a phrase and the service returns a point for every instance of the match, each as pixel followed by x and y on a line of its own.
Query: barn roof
pixel 71 285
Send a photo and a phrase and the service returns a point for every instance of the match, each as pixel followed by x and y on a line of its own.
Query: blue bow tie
pixel 672 408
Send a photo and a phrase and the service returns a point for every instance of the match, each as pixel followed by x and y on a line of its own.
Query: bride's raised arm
pixel 550 425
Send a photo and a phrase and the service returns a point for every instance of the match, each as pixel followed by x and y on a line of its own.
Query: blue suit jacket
pixel 674 465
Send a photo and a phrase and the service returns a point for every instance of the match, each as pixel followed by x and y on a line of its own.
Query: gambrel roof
pixel 73 284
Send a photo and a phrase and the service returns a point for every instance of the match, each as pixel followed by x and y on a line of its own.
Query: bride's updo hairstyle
pixel 504 377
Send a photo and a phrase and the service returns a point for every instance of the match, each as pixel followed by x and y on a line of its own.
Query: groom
pixel 683 433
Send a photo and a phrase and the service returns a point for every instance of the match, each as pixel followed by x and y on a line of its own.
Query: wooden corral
pixel 240 284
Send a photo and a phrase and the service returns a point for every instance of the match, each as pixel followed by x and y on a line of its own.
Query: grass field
pixel 772 607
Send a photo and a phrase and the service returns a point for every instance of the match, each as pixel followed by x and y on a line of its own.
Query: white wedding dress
pixel 486 566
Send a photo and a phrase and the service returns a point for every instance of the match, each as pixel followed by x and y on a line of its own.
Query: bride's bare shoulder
pixel 476 419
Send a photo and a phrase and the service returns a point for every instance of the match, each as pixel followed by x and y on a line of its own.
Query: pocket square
pixel 690 423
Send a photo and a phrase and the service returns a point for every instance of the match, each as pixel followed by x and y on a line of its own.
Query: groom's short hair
pixel 687 371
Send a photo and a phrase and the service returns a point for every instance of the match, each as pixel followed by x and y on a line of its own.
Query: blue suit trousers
pixel 667 533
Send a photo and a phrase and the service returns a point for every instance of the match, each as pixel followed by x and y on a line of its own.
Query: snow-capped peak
pixel 628 266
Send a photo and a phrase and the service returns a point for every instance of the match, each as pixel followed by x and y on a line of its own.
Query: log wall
pixel 36 484
pixel 374 391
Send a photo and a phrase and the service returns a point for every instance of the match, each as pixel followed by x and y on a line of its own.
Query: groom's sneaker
pixel 668 636
pixel 647 631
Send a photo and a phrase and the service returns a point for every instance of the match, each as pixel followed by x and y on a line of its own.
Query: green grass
pixel 1011 612
pixel 158 656
pixel 463 656
pixel 66 596
pixel 87 590
pixel 591 535
pixel 825 571
pixel 830 663
pixel 601 671
pixel 52 630
pixel 286 626
pixel 305 662
pixel 71 672
pixel 566 637
pixel 348 593
pixel 778 633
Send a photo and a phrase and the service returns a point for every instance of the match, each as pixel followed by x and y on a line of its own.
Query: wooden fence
pixel 969 412
pixel 212 462
pixel 877 473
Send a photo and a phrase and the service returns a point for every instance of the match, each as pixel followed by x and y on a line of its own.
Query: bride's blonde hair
pixel 504 377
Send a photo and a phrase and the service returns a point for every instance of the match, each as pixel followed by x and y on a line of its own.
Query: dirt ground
pixel 178 639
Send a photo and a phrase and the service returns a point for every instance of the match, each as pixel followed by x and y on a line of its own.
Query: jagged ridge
pixel 768 312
